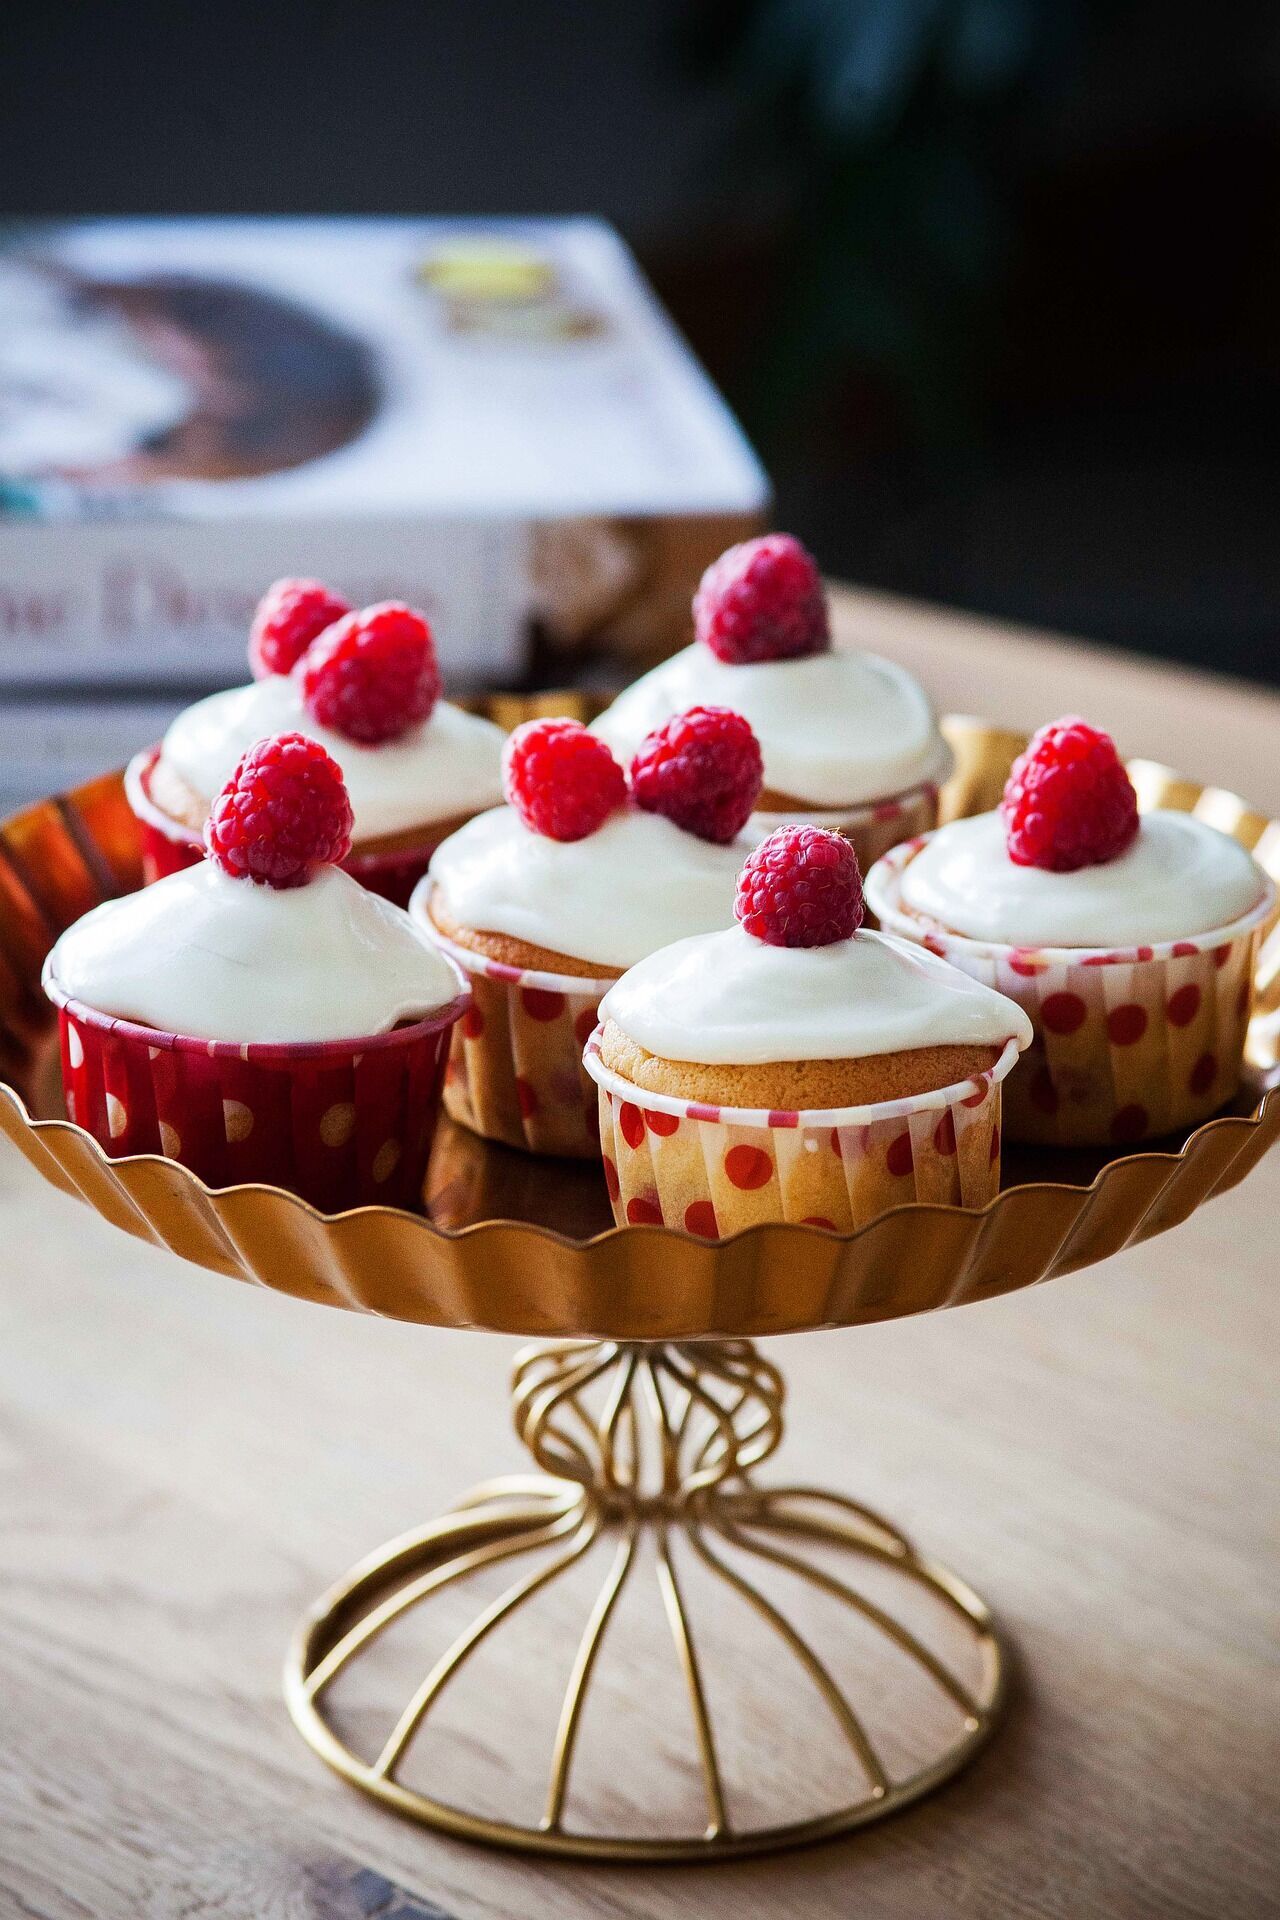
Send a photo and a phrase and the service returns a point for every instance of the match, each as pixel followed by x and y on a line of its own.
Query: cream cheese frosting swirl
pixel 726 999
pixel 219 958
pixel 450 764
pixel 636 883
pixel 1178 876
pixel 835 728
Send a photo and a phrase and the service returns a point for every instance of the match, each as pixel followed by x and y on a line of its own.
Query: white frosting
pixel 636 884
pixel 450 764
pixel 205 954
pixel 1178 876
pixel 835 728
pixel 727 999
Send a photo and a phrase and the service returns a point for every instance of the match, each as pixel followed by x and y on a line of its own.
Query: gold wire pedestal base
pixel 649 1449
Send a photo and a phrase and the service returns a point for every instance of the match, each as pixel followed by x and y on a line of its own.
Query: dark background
pixel 993 284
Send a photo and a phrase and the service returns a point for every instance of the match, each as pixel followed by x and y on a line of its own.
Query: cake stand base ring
pixel 713 1410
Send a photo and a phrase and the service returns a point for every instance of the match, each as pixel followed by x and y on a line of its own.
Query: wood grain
pixel 184 1464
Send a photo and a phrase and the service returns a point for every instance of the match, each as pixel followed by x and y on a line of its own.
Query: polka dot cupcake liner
pixel 1130 1042
pixel 169 845
pixel 871 829
pixel 343 1123
pixel 715 1170
pixel 515 1070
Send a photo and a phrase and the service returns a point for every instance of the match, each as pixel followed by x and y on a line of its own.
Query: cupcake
pixel 545 901
pixel 850 741
pixel 261 1016
pixel 1129 939
pixel 366 686
pixel 797 1066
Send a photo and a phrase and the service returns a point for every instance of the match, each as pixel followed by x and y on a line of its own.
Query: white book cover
pixel 190 408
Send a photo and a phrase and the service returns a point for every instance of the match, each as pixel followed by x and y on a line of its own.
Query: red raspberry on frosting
pixel 1069 802
pixel 762 600
pixel 703 770
pixel 562 780
pixel 373 675
pixel 290 615
pixel 800 888
pixel 283 813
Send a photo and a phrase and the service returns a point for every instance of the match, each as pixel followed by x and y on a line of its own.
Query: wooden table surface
pixel 185 1463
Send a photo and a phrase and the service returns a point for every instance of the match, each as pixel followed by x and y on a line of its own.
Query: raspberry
pixel 1068 802
pixel 800 888
pixel 283 813
pixel 373 675
pixel 703 770
pixel 290 615
pixel 762 600
pixel 561 780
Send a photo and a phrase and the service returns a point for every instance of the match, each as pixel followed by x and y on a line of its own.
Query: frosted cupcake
pixel 261 1016
pixel 850 740
pixel 366 686
pixel 1130 940
pixel 797 1066
pixel 545 901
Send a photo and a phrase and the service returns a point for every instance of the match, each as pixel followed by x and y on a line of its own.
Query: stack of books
pixel 494 420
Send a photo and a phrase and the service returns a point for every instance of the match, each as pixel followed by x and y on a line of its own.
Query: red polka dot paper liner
pixel 169 845
pixel 515 1067
pixel 1130 1042
pixel 343 1123
pixel 715 1170
pixel 871 829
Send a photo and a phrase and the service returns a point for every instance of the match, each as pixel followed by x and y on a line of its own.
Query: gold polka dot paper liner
pixel 168 845
pixel 715 1170
pixel 342 1123
pixel 1130 1042
pixel 871 829
pixel 515 1069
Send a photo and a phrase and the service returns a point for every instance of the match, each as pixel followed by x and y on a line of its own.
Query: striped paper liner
pixel 1130 1042
pixel 515 1067
pixel 716 1169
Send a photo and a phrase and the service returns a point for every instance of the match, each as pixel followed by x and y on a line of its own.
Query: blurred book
pixel 51 740
pixel 492 419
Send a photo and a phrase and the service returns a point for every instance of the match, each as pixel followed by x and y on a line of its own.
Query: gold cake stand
pixel 647 1412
